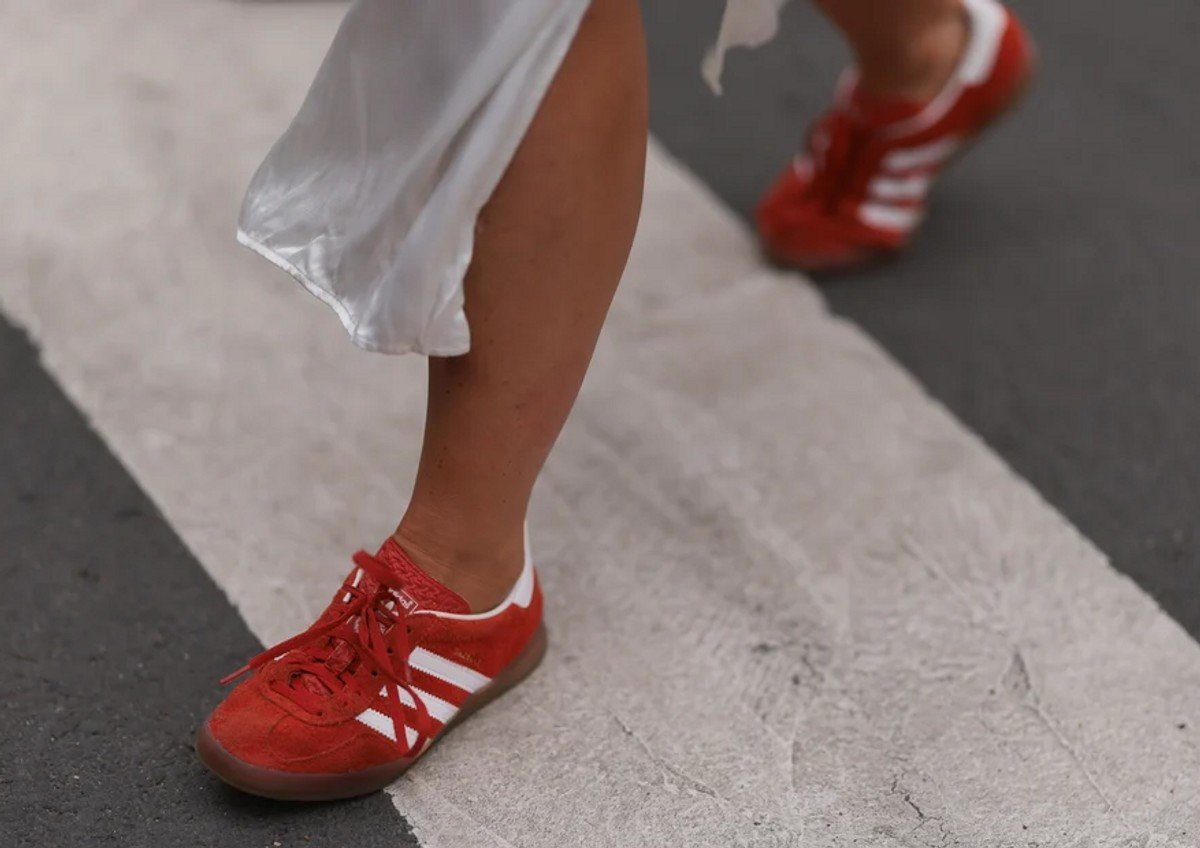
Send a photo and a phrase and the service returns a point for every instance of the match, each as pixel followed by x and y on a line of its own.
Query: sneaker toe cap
pixel 252 727
pixel 798 232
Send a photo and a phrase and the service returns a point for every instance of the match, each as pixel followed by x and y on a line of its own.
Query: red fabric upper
pixel 813 216
pixel 300 709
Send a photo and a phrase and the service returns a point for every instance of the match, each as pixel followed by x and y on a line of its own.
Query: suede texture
pixel 260 724
pixel 486 645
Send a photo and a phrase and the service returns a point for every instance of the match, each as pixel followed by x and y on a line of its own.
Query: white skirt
pixel 370 197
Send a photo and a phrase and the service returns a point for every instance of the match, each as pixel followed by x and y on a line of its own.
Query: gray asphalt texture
pixel 1051 301
pixel 114 639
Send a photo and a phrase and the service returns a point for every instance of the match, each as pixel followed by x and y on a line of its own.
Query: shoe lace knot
pixel 365 623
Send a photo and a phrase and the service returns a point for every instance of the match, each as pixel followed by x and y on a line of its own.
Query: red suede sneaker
pixel 347 706
pixel 858 192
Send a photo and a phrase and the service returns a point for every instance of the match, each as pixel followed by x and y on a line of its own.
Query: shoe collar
pixel 987 20
pixel 520 595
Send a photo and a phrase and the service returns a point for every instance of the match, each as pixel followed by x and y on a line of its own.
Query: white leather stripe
pixel 888 217
pixel 900 188
pixel 924 156
pixel 382 724
pixel 464 678
pixel 438 709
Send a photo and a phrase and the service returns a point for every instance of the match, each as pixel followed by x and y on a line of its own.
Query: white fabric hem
pixel 339 308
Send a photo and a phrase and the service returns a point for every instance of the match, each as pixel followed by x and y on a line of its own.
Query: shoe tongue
pixel 880 111
pixel 420 590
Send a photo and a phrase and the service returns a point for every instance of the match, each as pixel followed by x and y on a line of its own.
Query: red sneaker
pixel 858 191
pixel 347 706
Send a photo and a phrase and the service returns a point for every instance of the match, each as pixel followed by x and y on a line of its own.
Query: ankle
pixel 918 65
pixel 482 571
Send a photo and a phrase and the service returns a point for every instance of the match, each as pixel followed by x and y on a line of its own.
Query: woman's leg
pixel 903 48
pixel 550 249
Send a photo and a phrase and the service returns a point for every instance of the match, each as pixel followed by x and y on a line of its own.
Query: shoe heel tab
pixel 521 595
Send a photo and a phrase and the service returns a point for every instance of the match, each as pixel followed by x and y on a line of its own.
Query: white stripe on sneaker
pixel 458 675
pixel 439 710
pixel 383 725
pixel 900 188
pixel 923 156
pixel 885 216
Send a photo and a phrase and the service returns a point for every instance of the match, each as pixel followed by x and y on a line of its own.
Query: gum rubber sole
pixel 296 786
